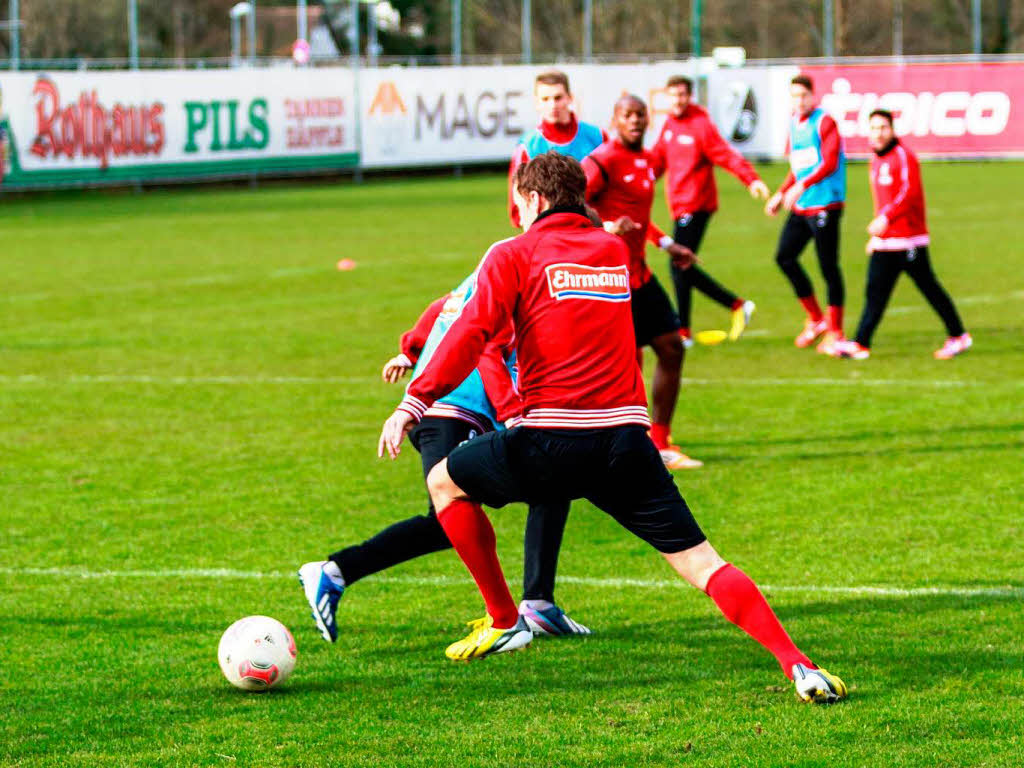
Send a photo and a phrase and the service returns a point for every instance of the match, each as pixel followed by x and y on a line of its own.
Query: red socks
pixel 659 435
pixel 811 307
pixel 472 535
pixel 738 304
pixel 835 319
pixel 743 604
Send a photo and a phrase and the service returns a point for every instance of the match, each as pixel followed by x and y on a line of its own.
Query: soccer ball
pixel 256 653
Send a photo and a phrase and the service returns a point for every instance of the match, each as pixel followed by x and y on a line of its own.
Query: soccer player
pixel 564 286
pixel 558 130
pixel 690 147
pixel 483 402
pixel 899 243
pixel 814 193
pixel 621 175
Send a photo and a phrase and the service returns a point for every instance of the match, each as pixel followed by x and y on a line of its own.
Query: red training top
pixel 899 196
pixel 690 147
pixel 620 182
pixel 564 286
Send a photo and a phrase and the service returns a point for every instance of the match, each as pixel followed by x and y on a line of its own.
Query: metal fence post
pixel 14 17
pixel 456 31
pixel 527 34
pixel 588 30
pixel 133 33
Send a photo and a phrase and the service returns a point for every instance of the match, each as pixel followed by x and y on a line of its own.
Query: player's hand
pixel 758 190
pixel 878 226
pixel 620 226
pixel 792 196
pixel 774 203
pixel 398 425
pixel 682 256
pixel 396 368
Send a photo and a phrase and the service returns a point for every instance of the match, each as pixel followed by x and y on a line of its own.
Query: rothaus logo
pixel 737 112
pixel 578 281
pixel 942 113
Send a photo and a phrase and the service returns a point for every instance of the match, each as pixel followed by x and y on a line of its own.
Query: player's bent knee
pixel 443 490
pixel 697 564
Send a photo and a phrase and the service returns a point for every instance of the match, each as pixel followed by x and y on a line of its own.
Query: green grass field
pixel 189 407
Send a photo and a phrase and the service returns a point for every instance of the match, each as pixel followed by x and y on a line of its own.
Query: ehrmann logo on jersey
pixel 578 281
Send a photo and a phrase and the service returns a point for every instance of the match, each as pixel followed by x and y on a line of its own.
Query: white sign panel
pixel 751 108
pixel 438 115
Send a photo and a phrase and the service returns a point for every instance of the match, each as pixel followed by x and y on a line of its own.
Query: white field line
pixel 960 300
pixel 129 378
pixel 583 581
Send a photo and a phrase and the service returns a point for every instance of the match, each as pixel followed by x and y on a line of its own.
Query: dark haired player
pixel 690 147
pixel 621 176
pixel 558 130
pixel 899 243
pixel 814 193
pixel 564 286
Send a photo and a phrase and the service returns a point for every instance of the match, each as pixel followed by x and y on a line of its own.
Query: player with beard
pixel 899 243
pixel 621 177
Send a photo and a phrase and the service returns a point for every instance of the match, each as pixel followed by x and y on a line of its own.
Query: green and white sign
pixel 112 127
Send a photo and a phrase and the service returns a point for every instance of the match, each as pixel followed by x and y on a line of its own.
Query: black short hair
pixel 804 81
pixel 885 113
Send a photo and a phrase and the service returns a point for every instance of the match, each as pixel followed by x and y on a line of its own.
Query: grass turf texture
pixel 187 383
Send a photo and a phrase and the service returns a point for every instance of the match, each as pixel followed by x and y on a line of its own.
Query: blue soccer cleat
pixel 553 621
pixel 322 594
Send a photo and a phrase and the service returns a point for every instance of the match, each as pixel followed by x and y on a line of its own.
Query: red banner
pixel 951 110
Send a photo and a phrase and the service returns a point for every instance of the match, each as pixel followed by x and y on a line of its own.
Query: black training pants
pixel 689 232
pixel 823 228
pixel 435 438
pixel 883 271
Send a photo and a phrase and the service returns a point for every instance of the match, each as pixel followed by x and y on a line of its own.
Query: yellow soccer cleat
pixel 818 685
pixel 485 640
pixel 741 319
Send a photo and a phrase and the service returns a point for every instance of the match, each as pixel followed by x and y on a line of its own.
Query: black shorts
pixel 690 229
pixel 437 436
pixel 653 315
pixel 618 469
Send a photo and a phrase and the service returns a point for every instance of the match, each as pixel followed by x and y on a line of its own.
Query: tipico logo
pixel 578 281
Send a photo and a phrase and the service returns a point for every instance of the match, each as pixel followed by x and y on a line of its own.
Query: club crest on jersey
pixel 578 281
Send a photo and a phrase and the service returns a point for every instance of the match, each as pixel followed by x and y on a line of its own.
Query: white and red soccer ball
pixel 256 653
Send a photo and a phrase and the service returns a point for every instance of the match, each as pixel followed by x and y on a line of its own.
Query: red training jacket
pixel 899 196
pixel 620 182
pixel 564 286
pixel 690 147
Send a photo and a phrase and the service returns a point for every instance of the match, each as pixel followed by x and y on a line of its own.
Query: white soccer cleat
pixel 322 594
pixel 818 685
pixel 552 622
